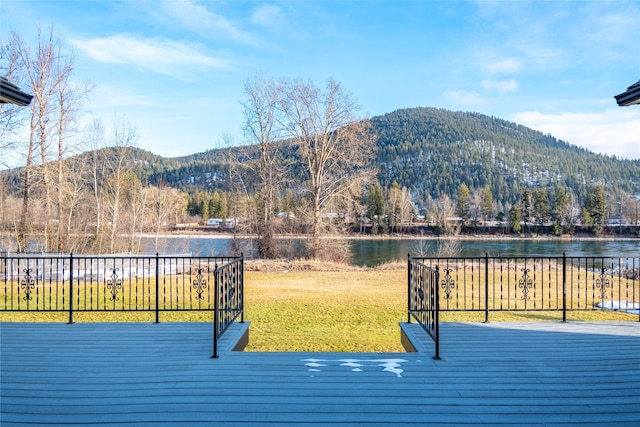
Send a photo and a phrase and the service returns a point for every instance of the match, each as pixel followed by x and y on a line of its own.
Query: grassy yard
pixel 307 308
pixel 326 311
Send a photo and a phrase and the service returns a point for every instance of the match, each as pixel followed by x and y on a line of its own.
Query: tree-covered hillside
pixel 432 151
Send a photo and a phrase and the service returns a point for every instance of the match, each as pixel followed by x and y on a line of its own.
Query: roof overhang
pixel 630 97
pixel 11 94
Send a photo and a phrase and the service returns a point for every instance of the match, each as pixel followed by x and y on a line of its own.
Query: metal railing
pixel 229 298
pixel 490 284
pixel 423 302
pixel 152 284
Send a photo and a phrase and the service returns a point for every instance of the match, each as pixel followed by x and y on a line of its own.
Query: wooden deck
pixel 538 374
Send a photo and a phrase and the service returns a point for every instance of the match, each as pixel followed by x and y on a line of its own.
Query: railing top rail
pixel 559 257
pixel 118 256
pixel 232 261
pixel 420 263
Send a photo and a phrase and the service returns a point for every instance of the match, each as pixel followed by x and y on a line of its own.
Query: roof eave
pixel 630 97
pixel 10 94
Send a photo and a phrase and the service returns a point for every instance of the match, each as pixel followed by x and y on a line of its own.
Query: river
pixel 373 252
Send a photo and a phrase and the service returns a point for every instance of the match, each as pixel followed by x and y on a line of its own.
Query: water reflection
pixel 372 252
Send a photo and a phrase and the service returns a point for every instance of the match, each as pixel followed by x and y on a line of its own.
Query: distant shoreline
pixel 387 237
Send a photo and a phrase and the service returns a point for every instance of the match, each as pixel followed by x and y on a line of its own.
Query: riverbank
pixel 204 234
pixel 381 250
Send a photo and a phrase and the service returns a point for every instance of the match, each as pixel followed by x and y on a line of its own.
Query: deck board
pixel 536 374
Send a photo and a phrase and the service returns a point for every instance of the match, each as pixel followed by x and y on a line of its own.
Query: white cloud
pixel 176 59
pixel 200 20
pixel 267 15
pixel 462 97
pixel 510 65
pixel 612 131
pixel 502 86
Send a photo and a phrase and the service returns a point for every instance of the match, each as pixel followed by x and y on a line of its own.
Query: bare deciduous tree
pixel 41 72
pixel 335 145
pixel 11 116
pixel 55 106
pixel 94 140
pixel 261 127
pixel 163 204
pixel 119 165
pixel 69 99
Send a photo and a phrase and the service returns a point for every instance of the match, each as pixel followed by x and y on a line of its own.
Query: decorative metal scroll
pixel 114 284
pixel 525 283
pixel 602 284
pixel 423 301
pixel 231 293
pixel 447 284
pixel 28 284
pixel 199 284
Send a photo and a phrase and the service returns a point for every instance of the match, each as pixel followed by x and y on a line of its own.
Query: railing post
pixel 157 288
pixel 486 287
pixel 409 288
pixel 564 287
pixel 437 313
pixel 71 288
pixel 242 287
pixel 215 314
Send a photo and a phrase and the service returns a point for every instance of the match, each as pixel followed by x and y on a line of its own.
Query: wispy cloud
pixel 201 20
pixel 116 96
pixel 461 97
pixel 613 131
pixel 267 16
pixel 502 86
pixel 509 65
pixel 611 35
pixel 176 59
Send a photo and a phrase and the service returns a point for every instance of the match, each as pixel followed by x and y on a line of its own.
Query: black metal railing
pixel 229 301
pixel 423 302
pixel 490 284
pixel 152 284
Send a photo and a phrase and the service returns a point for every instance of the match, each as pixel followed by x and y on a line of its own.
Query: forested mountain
pixel 432 151
pixel 431 164
pixel 427 150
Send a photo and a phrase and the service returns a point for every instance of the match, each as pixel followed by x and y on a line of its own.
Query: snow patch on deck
pixel 393 366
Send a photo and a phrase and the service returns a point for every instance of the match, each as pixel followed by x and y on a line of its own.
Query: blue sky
pixel 175 69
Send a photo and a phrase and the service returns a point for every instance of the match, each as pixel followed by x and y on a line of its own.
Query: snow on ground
pixel 625 306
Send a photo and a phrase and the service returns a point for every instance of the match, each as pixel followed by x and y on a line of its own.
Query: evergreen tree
pixel 515 218
pixel 595 205
pixel 394 204
pixel 487 203
pixel 463 202
pixel 375 201
pixel 540 205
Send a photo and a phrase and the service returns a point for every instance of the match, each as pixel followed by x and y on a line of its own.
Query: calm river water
pixel 373 252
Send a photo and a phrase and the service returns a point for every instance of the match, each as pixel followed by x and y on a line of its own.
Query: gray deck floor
pixel 490 374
